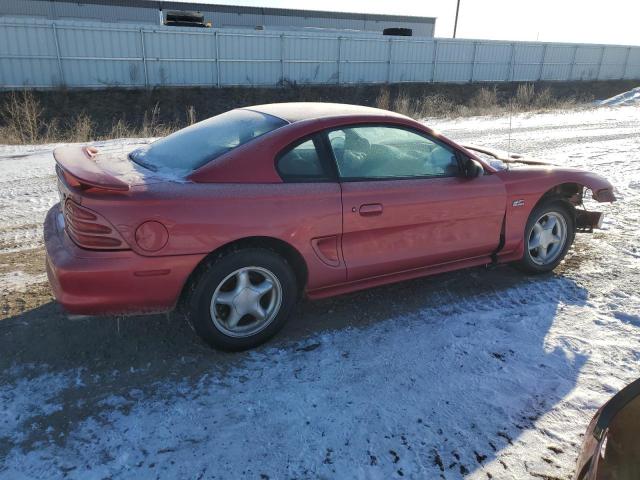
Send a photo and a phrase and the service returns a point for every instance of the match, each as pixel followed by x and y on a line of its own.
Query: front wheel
pixel 242 299
pixel 548 236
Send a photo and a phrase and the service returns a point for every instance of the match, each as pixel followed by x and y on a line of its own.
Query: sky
pixel 586 21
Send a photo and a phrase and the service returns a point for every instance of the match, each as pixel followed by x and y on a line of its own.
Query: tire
pixel 540 231
pixel 231 292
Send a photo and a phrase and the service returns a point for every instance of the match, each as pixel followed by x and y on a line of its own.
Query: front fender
pixel 601 189
pixel 526 186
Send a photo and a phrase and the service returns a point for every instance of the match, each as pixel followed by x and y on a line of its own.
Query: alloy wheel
pixel 547 238
pixel 246 302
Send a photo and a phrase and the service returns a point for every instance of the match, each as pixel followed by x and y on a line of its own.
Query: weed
pixel 28 117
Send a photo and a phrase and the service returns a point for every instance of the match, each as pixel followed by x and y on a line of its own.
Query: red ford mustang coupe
pixel 235 217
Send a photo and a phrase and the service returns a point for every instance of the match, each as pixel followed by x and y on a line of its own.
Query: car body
pixel 128 239
pixel 610 449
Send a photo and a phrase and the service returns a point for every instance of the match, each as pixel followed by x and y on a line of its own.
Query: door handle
pixel 371 209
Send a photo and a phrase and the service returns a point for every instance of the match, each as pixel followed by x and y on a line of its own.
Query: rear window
pixel 192 147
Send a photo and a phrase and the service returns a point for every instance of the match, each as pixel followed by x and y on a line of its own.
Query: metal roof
pixel 208 7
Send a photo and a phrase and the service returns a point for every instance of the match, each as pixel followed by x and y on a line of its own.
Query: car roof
pixel 297 111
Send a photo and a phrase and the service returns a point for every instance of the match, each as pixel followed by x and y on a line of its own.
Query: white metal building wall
pixel 148 11
pixel 43 54
pixel 118 11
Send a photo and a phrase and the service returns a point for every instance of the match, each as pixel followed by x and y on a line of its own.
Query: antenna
pixel 509 141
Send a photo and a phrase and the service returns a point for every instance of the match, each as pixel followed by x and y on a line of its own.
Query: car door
pixel 406 204
pixel 312 209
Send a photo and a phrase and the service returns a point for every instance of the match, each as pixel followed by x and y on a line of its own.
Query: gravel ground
pixel 476 374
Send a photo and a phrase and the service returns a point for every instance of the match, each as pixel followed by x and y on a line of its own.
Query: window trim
pixel 328 167
pixel 341 179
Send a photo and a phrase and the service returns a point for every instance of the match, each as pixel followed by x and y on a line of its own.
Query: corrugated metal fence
pixel 42 54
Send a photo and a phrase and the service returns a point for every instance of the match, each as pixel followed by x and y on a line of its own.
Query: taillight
pixel 90 230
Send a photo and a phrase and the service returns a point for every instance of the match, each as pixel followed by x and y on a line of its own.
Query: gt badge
pixel 518 203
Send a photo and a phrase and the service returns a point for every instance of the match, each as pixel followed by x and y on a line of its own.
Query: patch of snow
pixel 25 398
pixel 631 97
pixel 19 281
pixel 502 380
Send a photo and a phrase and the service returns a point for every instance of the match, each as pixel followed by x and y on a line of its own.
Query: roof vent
pixel 183 18
pixel 398 31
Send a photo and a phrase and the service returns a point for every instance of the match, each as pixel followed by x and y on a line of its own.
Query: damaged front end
pixel 572 183
pixel 604 195
pixel 586 220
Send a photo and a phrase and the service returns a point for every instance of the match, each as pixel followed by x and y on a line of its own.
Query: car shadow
pixel 484 329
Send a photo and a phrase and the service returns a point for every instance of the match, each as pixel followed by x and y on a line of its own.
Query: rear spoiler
pixel 505 157
pixel 77 163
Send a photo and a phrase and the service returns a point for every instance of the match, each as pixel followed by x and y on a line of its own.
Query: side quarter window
pixel 301 163
pixel 386 152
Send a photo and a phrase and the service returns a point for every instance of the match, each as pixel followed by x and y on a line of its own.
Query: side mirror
pixel 471 168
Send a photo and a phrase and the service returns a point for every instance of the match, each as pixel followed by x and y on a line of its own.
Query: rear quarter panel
pixel 203 217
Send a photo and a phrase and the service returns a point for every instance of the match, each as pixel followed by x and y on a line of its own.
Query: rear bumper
pixel 87 282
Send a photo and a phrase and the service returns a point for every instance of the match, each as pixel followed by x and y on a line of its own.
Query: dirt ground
pixel 159 348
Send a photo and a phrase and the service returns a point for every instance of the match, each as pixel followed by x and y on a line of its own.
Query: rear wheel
pixel 240 300
pixel 548 236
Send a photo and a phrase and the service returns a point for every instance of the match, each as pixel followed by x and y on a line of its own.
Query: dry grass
pixel 383 100
pixel 484 101
pixel 527 98
pixel 191 115
pixel 24 119
pixel 81 129
pixel 525 94
pixel 120 129
pixel 22 116
pixel 436 105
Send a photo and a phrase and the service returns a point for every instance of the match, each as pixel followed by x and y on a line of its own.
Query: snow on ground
pixel 632 97
pixel 19 281
pixel 476 374
pixel 28 189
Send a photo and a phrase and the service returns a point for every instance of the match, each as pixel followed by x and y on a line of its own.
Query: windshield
pixel 192 147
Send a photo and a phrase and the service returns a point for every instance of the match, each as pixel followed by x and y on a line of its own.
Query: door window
pixel 380 152
pixel 301 164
